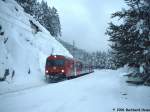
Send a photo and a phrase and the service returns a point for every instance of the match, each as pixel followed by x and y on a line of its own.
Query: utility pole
pixel 74 63
pixel 73 48
pixel 52 51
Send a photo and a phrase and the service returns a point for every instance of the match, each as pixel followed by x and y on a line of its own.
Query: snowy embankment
pixel 100 91
pixel 24 46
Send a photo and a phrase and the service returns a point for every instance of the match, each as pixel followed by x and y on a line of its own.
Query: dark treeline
pixel 98 59
pixel 46 15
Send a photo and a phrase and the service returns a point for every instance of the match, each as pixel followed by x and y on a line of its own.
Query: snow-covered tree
pixel 131 39
pixel 54 23
pixel 46 15
pixel 28 5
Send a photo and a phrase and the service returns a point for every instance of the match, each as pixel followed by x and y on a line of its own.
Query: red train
pixel 60 67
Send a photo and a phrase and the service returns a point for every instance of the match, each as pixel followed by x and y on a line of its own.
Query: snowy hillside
pixel 24 44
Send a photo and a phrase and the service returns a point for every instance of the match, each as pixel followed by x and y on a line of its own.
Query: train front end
pixel 55 67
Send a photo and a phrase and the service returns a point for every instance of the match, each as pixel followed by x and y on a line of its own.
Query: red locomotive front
pixel 58 67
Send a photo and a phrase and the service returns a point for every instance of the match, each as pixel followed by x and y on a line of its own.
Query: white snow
pixel 100 91
pixel 24 50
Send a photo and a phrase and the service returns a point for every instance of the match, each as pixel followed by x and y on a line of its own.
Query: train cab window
pixel 55 62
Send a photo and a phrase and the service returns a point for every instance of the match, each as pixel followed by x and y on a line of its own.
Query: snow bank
pixel 23 50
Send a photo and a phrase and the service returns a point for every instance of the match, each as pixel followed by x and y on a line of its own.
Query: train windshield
pixel 55 63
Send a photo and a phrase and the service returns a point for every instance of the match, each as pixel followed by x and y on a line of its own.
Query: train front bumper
pixel 55 76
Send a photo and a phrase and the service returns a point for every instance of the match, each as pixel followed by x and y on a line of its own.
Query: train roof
pixel 60 56
pixel 69 58
pixel 77 60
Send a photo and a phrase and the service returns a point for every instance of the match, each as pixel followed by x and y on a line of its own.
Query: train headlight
pixel 62 71
pixel 46 71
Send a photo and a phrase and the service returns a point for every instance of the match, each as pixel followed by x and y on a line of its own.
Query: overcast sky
pixel 85 21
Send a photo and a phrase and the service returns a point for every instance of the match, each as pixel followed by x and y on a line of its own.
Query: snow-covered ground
pixel 100 91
